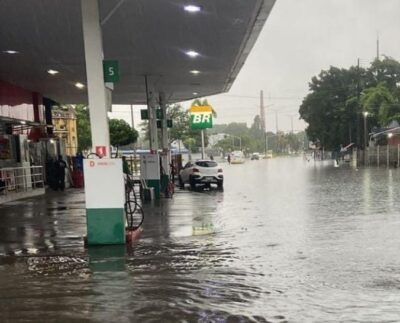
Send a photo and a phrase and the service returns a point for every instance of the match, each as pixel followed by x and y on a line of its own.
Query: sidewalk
pixel 50 223
pixel 55 223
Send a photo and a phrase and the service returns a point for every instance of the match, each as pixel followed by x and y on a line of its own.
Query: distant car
pixel 255 156
pixel 237 157
pixel 201 172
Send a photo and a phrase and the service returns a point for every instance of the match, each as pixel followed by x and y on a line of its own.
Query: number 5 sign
pixel 111 71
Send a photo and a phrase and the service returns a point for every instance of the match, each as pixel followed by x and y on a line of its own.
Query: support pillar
pixel 166 159
pixel 151 108
pixel 104 212
pixel 94 73
pixel 202 144
pixel 164 130
pixel 165 156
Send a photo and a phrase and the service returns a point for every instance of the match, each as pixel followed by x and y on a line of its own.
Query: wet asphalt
pixel 286 241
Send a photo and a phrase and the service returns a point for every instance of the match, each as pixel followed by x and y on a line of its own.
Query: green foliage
pixel 83 127
pixel 381 104
pixel 181 127
pixel 198 102
pixel 338 97
pixel 253 139
pixel 121 133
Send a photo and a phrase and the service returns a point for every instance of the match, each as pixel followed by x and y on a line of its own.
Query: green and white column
pixel 104 194
pixel 104 182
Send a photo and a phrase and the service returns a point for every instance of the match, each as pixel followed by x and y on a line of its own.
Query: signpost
pixel 111 71
pixel 201 118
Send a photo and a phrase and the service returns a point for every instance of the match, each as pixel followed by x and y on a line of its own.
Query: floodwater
pixel 287 241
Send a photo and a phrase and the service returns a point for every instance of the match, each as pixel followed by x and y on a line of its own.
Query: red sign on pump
pixel 101 151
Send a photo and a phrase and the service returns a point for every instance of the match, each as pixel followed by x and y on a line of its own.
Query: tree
pixel 83 127
pixel 385 71
pixel 204 102
pixel 338 97
pixel 331 109
pixel 121 133
pixel 381 105
pixel 180 127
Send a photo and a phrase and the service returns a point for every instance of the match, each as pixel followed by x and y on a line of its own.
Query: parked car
pixel 205 172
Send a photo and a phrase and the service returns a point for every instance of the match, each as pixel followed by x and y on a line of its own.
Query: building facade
pixel 64 123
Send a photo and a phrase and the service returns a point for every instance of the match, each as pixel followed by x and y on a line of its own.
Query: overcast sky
pixel 299 39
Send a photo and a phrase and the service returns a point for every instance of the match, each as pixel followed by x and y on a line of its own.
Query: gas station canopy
pixel 186 52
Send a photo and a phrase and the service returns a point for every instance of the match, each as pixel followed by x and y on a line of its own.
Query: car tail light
pixel 196 170
pixel 219 170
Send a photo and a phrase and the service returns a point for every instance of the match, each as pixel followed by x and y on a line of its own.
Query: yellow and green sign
pixel 201 117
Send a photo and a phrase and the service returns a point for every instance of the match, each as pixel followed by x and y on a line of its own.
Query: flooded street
pixel 287 241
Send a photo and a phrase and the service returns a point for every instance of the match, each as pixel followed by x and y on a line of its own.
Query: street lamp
pixel 365 113
pixel 389 135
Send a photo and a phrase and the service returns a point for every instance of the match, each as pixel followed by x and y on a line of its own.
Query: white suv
pixel 201 172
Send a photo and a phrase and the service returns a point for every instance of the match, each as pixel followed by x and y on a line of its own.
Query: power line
pixel 257 97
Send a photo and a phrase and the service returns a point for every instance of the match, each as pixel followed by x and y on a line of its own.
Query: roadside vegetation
pixel 338 99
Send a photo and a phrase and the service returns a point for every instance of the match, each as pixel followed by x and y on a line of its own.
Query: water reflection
pixel 287 240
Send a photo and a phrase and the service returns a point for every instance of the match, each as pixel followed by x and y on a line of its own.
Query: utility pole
pixel 291 121
pixel 262 111
pixel 263 123
pixel 358 104
pixel 377 46
pixel 132 120
pixel 276 121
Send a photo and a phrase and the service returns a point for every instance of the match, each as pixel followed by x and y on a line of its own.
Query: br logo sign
pixel 201 117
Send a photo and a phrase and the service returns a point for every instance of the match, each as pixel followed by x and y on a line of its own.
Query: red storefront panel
pixel 18 103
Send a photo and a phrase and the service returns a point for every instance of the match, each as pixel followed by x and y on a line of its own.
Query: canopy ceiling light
pixel 52 72
pixel 192 8
pixel 10 51
pixel 192 53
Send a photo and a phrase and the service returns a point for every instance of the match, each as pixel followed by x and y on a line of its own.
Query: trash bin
pixel 77 178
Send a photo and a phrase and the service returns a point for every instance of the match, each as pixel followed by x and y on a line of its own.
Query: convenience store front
pixel 24 143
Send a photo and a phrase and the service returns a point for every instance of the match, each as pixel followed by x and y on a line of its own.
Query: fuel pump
pixel 150 172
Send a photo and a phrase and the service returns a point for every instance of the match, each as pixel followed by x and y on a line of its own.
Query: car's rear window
pixel 207 163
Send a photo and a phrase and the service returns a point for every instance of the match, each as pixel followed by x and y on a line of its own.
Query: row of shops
pixel 34 131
